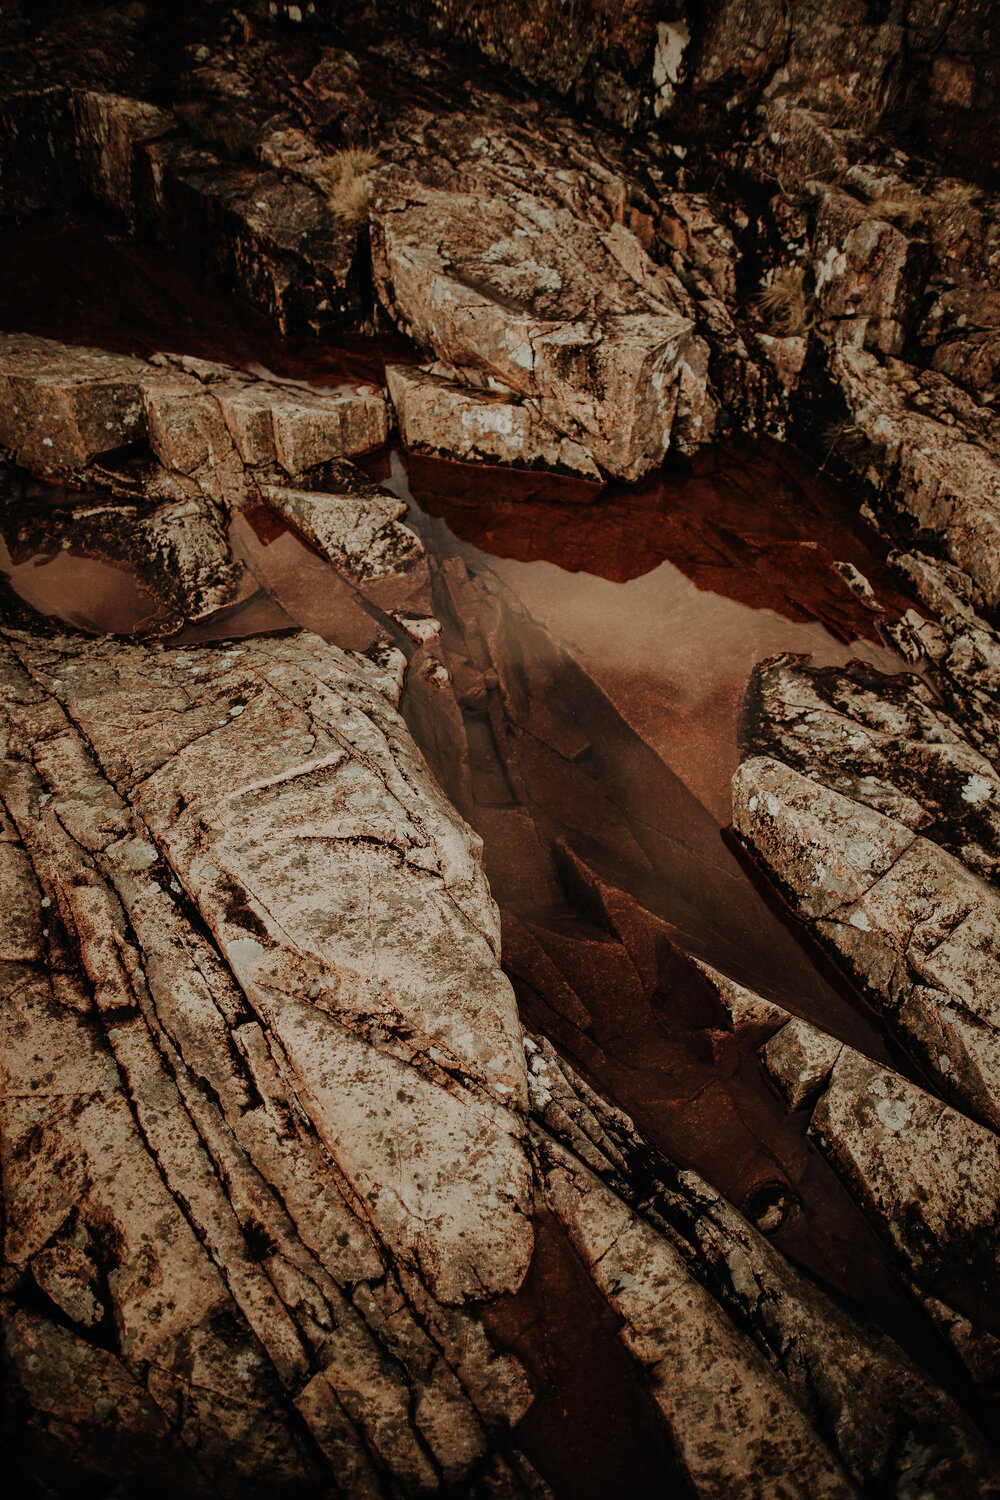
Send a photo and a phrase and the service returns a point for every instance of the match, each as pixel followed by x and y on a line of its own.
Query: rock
pixel 359 531
pixel 879 1413
pixel 299 429
pixel 443 417
pixel 942 477
pixel 60 407
pixel 916 930
pixel 727 1412
pixel 930 1176
pixel 868 274
pixel 744 1007
pixel 214 1179
pixel 275 235
pixel 624 375
pixel 261 685
pixel 799 1058
pixel 175 547
pixel 883 741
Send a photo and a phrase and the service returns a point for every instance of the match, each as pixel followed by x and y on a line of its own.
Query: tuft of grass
pixel 955 194
pixel 351 192
pixel 859 111
pixel 905 206
pixel 783 300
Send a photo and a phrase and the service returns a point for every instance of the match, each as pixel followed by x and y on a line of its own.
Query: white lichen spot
pixel 243 953
pixel 859 920
pixel 977 789
pixel 893 1113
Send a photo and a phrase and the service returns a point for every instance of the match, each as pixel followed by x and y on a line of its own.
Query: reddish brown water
pixel 87 593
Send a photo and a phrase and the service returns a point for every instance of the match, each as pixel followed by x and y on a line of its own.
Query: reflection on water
pixel 86 593
pixel 668 594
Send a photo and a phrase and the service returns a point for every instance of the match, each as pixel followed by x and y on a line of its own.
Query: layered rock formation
pixel 283 1145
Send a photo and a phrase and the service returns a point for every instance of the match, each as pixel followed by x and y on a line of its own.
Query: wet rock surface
pixel 473 1118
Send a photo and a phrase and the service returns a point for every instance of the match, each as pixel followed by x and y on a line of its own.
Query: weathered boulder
pixel 173 543
pixel 883 741
pixel 251 1139
pixel 62 406
pixel 555 309
pixel 927 1177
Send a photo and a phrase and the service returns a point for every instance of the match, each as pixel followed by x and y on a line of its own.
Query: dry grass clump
pixel 904 206
pixel 783 300
pixel 351 192
pixel 907 206
pixel 859 111
pixel 955 194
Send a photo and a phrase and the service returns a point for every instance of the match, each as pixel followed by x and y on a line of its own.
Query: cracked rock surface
pixel 318 1178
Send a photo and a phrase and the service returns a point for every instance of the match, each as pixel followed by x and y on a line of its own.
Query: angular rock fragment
pixel 939 474
pixel 799 1058
pixel 271 422
pixel 926 1176
pixel 175 545
pixel 357 527
pixel 868 274
pixel 440 416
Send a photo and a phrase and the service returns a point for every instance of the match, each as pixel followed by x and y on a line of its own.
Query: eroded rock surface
pixel 234 1074
pixel 271 1148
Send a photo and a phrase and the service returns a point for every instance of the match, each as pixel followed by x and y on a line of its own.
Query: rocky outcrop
pixel 885 742
pixel 917 931
pixel 649 1219
pixel 274 1169
pixel 157 456
pixel 231 1107
pixel 692 68
pixel 489 285
pixel 62 407
pixel 926 1177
